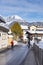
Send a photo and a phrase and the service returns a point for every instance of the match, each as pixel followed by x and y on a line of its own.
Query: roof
pixel 38 32
pixel 24 27
pixel 4 27
pixel 2 19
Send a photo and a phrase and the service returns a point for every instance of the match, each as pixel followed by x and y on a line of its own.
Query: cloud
pixel 20 5
pixel 32 9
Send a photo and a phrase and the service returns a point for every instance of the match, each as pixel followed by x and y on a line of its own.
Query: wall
pixel 3 39
pixel 33 28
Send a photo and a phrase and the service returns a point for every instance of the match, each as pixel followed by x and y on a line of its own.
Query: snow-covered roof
pixel 38 32
pixel 10 36
pixel 2 19
pixel 24 27
pixel 4 27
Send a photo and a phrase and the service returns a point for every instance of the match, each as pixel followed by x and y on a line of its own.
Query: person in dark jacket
pixel 28 41
pixel 28 37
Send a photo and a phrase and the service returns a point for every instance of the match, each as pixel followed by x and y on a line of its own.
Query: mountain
pixel 36 23
pixel 15 18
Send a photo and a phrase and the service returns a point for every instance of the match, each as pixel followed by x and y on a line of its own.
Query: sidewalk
pixel 4 49
pixel 30 59
pixel 9 47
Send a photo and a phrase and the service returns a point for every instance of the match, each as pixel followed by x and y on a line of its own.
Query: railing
pixel 38 54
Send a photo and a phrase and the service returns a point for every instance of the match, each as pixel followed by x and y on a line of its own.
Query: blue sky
pixel 29 10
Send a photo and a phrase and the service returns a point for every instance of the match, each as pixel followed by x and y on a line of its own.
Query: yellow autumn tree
pixel 16 29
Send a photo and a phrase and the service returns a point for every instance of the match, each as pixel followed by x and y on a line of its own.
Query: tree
pixel 16 28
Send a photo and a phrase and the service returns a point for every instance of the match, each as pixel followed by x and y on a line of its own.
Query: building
pixel 24 29
pixel 36 31
pixel 3 34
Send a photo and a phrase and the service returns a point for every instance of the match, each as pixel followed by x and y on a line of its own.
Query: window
pixel 32 29
pixel 39 30
pixel 0 34
pixel 3 36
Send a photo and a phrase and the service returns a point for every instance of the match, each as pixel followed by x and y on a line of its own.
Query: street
pixel 29 59
pixel 14 56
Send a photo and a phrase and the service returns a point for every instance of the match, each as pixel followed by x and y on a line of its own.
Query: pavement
pixel 9 47
pixel 19 55
pixel 14 56
pixel 30 59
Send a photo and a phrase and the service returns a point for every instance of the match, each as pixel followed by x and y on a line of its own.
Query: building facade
pixel 36 31
pixel 3 34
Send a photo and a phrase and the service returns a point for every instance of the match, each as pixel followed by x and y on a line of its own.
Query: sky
pixel 29 10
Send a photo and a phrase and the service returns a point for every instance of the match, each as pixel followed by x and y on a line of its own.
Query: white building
pixel 25 29
pixel 36 31
pixel 3 34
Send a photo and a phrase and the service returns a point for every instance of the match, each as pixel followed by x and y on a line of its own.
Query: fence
pixel 38 54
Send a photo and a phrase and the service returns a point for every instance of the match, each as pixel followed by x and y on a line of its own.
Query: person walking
pixel 28 41
pixel 28 37
pixel 12 44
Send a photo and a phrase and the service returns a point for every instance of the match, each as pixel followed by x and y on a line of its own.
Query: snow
pixel 24 27
pixel 4 25
pixel 18 17
pixel 38 32
pixel 10 36
pixel 32 42
pixel 40 44
pixel 14 18
pixel 15 42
